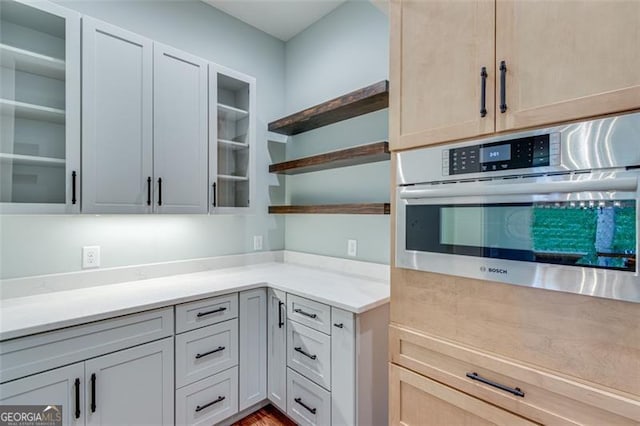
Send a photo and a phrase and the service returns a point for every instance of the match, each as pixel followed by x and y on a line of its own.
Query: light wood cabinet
pixel 417 400
pixel 438 50
pixel 562 61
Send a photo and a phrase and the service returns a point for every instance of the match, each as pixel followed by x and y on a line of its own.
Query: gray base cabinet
pixel 276 348
pixel 253 347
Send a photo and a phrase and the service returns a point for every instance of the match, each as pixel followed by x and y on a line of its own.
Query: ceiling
pixel 280 18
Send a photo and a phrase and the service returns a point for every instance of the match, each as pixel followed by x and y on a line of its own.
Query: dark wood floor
pixel 267 416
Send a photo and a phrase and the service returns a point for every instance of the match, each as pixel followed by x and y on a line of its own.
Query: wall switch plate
pixel 257 242
pixel 90 257
pixel 352 247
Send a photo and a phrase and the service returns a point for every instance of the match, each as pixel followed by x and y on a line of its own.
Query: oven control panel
pixel 529 152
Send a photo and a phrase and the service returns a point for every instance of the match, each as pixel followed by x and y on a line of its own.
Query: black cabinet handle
pixel 280 320
pixel 341 325
pixel 299 401
pixel 215 311
pixel 299 349
pixel 515 391
pixel 215 194
pixel 74 175
pixel 483 92
pixel 306 314
pixel 77 385
pixel 159 191
pixel 218 349
pixel 503 87
pixel 93 393
pixel 200 408
pixel 149 190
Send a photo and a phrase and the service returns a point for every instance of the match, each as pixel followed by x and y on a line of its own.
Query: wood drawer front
pixel 201 313
pixel 549 398
pixel 310 313
pixel 309 353
pixel 192 401
pixel 195 358
pixel 307 403
pixel 39 352
pixel 418 401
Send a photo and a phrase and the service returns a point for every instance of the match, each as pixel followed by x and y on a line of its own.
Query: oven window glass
pixel 593 234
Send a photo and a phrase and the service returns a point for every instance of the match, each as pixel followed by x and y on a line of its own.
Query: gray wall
pixel 344 51
pixel 33 245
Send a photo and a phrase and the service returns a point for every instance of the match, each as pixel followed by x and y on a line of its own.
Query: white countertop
pixel 22 316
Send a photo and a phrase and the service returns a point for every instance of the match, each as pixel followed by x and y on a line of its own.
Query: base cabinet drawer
pixel 418 401
pixel 206 351
pixel 307 403
pixel 309 312
pixel 208 401
pixel 309 353
pixel 201 313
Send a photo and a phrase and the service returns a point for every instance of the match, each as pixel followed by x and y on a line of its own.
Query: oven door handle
pixel 628 184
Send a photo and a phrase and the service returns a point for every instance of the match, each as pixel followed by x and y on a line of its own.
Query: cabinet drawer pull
pixel 77 386
pixel 200 408
pixel 159 191
pixel 215 311
pixel 483 92
pixel 74 175
pixel 503 87
pixel 340 325
pixel 218 349
pixel 306 314
pixel 280 319
pixel 93 393
pixel 149 190
pixel 299 401
pixel 515 391
pixel 299 349
pixel 215 195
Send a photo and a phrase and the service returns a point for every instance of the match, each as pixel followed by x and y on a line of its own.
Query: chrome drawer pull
pixel 220 348
pixel 299 401
pixel 299 349
pixel 215 311
pixel 515 391
pixel 306 314
pixel 200 408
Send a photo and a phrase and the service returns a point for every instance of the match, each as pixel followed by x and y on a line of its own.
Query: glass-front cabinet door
pixel 40 108
pixel 232 140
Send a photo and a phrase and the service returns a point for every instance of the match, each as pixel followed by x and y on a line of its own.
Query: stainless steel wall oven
pixel 555 208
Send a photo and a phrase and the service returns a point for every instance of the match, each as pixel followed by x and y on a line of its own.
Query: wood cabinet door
pixel 131 387
pixel 117 119
pixel 277 348
pixel 566 60
pixel 180 145
pixel 417 400
pixel 438 51
pixel 253 347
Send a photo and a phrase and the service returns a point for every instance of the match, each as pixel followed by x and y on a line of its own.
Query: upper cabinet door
pixel 439 50
pixel 567 60
pixel 116 119
pixel 40 108
pixel 180 131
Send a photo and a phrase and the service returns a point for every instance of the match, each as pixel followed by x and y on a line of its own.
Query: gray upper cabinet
pixel 180 131
pixel 116 119
pixel 39 108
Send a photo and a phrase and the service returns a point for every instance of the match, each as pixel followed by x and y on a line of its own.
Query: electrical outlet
pixel 352 247
pixel 257 242
pixel 90 257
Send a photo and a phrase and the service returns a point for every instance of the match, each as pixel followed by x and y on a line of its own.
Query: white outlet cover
pixel 352 247
pixel 257 242
pixel 90 257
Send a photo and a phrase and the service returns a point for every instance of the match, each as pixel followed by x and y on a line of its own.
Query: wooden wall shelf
pixel 363 154
pixel 365 208
pixel 359 102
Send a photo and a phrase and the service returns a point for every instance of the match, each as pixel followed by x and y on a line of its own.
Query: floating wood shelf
pixel 362 101
pixel 363 154
pixel 366 208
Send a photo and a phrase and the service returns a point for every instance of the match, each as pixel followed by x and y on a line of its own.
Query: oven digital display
pixel 495 153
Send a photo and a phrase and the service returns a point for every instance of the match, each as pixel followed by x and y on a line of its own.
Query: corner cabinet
pixel 232 123
pixel 276 348
pixel 474 67
pixel 40 108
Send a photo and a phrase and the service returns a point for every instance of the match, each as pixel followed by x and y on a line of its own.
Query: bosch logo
pixel 494 270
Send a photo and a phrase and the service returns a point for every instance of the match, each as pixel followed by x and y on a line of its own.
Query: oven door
pixel 576 233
